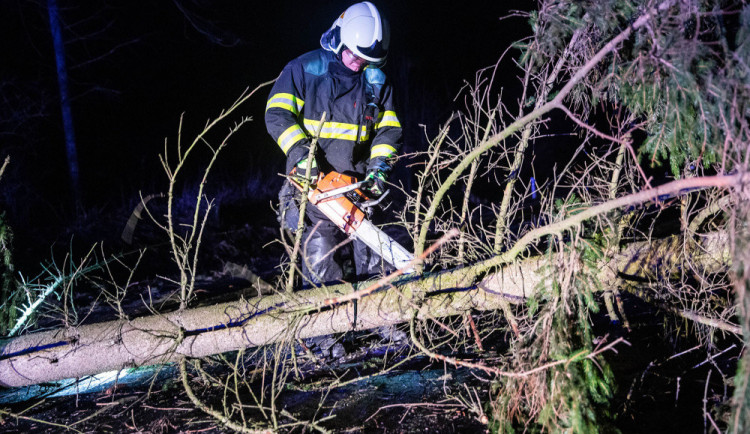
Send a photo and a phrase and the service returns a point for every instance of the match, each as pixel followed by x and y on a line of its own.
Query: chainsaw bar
pixel 391 251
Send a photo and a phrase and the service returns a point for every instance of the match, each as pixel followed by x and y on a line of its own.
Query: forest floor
pixel 666 380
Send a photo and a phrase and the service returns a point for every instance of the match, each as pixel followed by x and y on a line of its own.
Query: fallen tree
pixel 91 349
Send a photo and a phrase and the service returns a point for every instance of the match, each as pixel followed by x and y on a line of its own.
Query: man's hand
pixel 377 182
pixel 302 170
pixel 377 173
pixel 297 162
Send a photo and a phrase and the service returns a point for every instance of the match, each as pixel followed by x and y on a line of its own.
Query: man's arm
pixel 385 145
pixel 387 128
pixel 283 110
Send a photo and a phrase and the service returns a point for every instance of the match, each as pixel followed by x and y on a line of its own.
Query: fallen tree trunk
pixel 95 348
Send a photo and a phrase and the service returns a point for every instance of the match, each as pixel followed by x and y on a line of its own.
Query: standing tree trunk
pixel 67 112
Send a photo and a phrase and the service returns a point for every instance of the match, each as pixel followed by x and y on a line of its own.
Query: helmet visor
pixel 374 53
pixel 352 61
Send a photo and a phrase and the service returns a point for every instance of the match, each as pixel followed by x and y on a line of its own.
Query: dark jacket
pixel 318 82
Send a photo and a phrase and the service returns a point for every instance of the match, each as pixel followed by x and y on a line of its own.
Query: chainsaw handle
pixel 375 202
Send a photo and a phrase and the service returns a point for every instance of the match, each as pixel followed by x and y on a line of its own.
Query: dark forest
pixel 572 191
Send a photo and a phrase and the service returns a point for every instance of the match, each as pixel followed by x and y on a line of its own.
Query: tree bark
pixel 65 107
pixel 95 348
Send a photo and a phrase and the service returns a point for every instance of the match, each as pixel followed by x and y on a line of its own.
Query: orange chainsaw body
pixel 341 207
pixel 340 210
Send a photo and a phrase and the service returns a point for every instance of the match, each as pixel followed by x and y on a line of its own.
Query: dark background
pixel 136 66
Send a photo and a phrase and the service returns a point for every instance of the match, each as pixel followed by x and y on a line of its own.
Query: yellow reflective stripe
pixel 364 135
pixel 335 130
pixel 291 136
pixel 311 126
pixel 382 150
pixel 312 123
pixel 387 118
pixel 286 101
pixel 340 126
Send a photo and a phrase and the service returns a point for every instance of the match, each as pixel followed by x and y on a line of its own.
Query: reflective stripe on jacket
pixel 317 82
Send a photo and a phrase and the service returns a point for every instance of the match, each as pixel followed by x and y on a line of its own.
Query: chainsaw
pixel 340 198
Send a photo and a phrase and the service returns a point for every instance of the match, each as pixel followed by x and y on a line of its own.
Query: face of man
pixel 351 61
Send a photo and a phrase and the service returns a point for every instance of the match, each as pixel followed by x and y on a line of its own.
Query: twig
pixel 715 356
pixel 684 352
pixel 182 246
pixel 166 408
pixel 472 326
pixel 588 127
pixel 5 164
pixel 713 208
pixel 31 419
pixel 208 410
pixel 412 405
pixel 303 206
pixel 705 402
pixel 669 189
pixel 500 372
pixel 435 153
pixel 389 278
pixel 531 116
pixel 50 288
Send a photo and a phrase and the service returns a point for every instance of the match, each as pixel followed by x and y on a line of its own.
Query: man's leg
pixel 368 263
pixel 321 261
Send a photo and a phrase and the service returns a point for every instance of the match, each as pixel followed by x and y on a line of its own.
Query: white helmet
pixel 360 29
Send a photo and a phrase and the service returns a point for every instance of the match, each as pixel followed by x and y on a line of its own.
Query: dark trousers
pixel 328 256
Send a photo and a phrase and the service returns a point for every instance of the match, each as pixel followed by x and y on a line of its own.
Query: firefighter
pixel 360 135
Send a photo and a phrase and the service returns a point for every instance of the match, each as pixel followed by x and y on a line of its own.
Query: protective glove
pixel 296 159
pixel 302 170
pixel 377 173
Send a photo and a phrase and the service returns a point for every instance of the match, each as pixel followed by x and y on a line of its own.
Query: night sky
pixel 136 66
